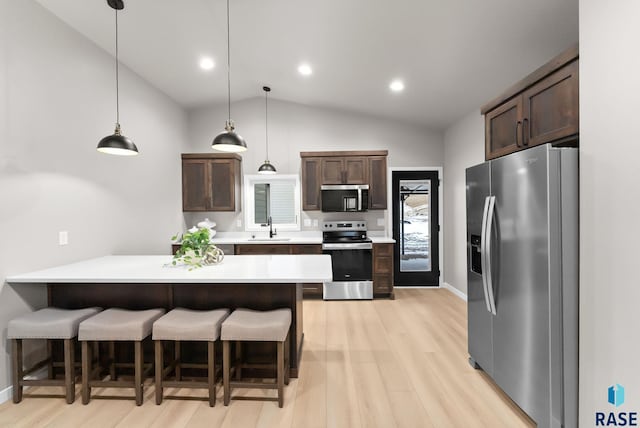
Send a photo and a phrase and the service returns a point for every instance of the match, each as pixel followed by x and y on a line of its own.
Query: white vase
pixel 206 223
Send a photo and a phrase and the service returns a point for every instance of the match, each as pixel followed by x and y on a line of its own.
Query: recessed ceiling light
pixel 396 85
pixel 207 63
pixel 305 69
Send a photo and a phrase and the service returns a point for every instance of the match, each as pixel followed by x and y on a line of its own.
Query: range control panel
pixel 358 225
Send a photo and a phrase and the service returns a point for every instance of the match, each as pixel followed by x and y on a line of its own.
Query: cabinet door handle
pixel 525 123
pixel 517 126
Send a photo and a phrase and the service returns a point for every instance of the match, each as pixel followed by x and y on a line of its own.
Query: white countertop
pixel 292 238
pixel 158 269
pixel 382 240
pixel 295 240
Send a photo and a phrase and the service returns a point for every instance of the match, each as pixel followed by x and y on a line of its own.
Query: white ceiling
pixel 453 55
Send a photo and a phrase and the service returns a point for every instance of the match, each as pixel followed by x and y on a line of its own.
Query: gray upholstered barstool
pixel 186 325
pixel 258 326
pixel 115 325
pixel 49 324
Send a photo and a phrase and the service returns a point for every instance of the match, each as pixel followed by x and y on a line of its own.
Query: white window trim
pixel 249 212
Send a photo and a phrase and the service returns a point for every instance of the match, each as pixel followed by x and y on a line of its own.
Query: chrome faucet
pixel 272 232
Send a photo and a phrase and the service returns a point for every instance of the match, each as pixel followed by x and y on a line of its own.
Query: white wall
pixel 294 128
pixel 609 205
pixel 57 100
pixel 463 147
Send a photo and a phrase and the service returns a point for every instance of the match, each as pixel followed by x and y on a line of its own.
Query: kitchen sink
pixel 268 239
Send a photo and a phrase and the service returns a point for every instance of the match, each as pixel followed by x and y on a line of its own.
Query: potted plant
pixel 196 250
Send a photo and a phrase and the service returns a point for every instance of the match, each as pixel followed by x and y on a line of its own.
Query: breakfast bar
pixel 260 282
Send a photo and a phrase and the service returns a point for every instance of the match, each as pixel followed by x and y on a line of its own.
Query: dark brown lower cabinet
pixel 308 289
pixel 383 270
pixel 243 249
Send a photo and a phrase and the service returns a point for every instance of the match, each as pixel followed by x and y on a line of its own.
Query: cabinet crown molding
pixel 344 153
pixel 211 156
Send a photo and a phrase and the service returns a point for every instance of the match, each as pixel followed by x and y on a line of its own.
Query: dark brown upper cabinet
pixel 344 167
pixel 542 108
pixel 377 182
pixel 346 170
pixel 211 181
pixel 311 182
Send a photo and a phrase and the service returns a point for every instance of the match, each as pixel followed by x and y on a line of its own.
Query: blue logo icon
pixel 616 395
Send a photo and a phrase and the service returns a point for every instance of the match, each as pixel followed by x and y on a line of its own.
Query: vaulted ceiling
pixel 452 55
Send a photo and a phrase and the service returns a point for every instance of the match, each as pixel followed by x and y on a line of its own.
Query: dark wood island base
pixel 137 296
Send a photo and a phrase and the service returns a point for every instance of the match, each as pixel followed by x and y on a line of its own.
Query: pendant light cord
pixel 266 121
pixel 228 65
pixel 117 77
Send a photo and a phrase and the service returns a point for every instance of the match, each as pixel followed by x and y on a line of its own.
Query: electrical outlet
pixel 63 237
pixel 307 222
pixel 238 223
pixel 315 223
pixel 380 222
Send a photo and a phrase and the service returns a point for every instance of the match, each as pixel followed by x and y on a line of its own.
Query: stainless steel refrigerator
pixel 522 246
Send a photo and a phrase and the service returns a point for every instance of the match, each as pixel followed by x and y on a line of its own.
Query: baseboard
pixel 6 394
pixel 455 291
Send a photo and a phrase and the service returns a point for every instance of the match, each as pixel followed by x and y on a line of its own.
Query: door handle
pixel 491 297
pixel 525 125
pixel 518 123
pixel 483 253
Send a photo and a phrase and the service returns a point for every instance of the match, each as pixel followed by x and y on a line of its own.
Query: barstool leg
pixel 112 360
pixel 50 358
pixel 177 355
pixel 86 371
pixel 16 360
pixel 280 370
pixel 225 371
pixel 238 362
pixel 287 360
pixel 138 372
pixel 69 371
pixel 211 373
pixel 159 370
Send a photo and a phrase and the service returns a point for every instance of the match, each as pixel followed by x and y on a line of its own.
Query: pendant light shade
pixel 266 167
pixel 229 141
pixel 117 144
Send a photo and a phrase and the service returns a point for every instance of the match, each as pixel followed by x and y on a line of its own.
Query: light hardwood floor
pixel 381 363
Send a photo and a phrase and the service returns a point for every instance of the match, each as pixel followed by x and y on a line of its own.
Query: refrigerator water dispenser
pixel 476 254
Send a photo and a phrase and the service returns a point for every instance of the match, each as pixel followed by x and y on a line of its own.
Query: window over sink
pixel 276 196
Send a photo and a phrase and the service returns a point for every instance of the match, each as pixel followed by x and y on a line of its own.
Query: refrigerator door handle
pixel 489 228
pixel 483 253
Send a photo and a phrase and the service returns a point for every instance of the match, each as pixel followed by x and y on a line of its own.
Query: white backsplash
pixel 228 221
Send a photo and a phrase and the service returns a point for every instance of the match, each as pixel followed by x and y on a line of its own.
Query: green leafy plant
pixel 194 248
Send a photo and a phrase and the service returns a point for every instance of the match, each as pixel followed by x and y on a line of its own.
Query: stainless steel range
pixel 351 258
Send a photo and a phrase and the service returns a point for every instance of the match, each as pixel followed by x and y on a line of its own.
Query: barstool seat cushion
pixel 119 324
pixel 250 325
pixel 188 324
pixel 49 323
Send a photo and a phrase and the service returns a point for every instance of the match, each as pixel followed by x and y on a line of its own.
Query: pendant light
pixel 117 144
pixel 229 141
pixel 266 167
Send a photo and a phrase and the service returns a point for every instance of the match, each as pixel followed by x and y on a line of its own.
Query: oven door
pixel 352 271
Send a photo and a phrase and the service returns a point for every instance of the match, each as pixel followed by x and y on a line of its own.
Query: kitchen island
pixel 260 282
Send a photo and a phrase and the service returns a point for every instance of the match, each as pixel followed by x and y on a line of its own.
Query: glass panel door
pixel 415 227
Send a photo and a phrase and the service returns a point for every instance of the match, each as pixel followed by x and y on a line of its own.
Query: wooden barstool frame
pixel 282 371
pixel 176 365
pixel 18 373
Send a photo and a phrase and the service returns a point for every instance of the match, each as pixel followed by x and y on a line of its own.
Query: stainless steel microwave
pixel 344 197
